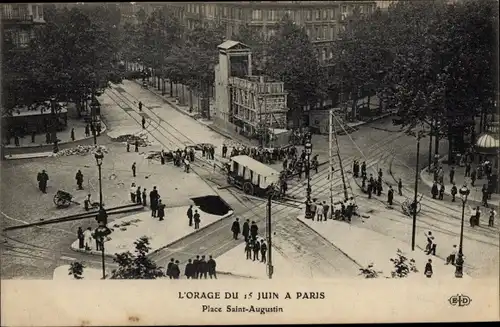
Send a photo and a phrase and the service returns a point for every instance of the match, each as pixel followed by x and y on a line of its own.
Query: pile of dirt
pixel 142 138
pixel 81 150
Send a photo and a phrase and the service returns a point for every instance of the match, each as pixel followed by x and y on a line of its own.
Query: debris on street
pixel 81 150
pixel 142 138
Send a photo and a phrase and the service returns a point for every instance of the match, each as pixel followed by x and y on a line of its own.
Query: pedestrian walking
pixel 434 190
pixel 256 250
pixel 203 267
pixel 128 146
pixel 196 267
pixel 140 106
pixel 88 239
pixel 390 195
pixel 491 219
pixel 97 240
pixel 188 271
pixel 249 249
pixel 169 268
pixel 400 187
pixel 134 167
pixel 246 229
pixel 254 230
pixel 472 219
pixel 380 174
pixel 186 165
pixel 136 146
pixel 452 256
pixel 467 169
pixel 87 203
pixel 212 267
pixel 162 157
pixel 235 228
pixel 263 250
pixel 452 175
pixel 81 243
pixel 161 210
pixel 477 216
pixel 197 219
pixel 473 177
pixel 441 192
pixel 312 209
pixel 87 130
pixel 143 121
pixel 431 245
pixel 144 197
pixel 190 215
pixel 72 133
pixel 428 269
pixel 485 195
pixel 33 135
pixel 224 150
pixel 42 179
pixel 138 199
pixel 454 192
pixel 79 179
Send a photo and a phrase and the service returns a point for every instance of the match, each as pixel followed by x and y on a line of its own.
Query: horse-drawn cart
pixel 63 199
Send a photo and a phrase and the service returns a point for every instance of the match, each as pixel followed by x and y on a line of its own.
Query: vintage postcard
pixel 249 162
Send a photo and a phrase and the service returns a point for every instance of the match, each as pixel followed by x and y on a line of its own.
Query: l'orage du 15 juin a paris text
pixel 251 295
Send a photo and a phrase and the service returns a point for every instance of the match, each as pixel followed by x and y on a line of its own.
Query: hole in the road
pixel 212 204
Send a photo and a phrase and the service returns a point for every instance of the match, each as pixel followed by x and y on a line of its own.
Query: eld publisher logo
pixel 460 300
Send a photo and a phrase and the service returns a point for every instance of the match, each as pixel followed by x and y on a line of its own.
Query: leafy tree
pixel 402 266
pixel 138 265
pixel 256 41
pixel 291 59
pixel 76 269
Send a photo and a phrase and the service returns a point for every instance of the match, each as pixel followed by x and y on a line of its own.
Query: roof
pixel 255 166
pixel 229 44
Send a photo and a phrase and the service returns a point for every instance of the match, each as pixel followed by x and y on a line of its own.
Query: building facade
pixel 322 20
pixel 19 21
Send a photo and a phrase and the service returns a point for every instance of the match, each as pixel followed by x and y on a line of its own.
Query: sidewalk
pixel 475 194
pixel 366 246
pixel 64 136
pixel 234 262
pixel 173 228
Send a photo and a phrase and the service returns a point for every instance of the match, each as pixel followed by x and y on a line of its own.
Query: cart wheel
pixel 248 188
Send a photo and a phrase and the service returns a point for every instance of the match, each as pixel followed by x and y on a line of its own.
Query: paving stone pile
pixel 131 138
pixel 81 150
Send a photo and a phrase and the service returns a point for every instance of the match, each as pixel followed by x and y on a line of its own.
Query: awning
pixel 487 143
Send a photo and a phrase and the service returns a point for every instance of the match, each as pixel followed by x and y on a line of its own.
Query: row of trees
pixel 71 57
pixel 432 61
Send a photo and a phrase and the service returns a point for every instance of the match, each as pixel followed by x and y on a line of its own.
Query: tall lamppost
pixel 414 205
pixel 102 217
pixel 308 148
pixel 459 263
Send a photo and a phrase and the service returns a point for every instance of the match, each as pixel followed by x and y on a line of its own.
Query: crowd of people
pixel 198 268
pixel 254 244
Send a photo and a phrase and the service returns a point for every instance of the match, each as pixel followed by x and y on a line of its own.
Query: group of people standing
pixel 195 269
pixel 253 243
pixel 140 197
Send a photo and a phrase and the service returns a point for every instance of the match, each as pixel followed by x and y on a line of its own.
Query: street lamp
pixel 459 264
pixel 308 148
pixel 102 230
pixel 414 205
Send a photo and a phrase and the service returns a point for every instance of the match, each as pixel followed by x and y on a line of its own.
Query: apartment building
pixel 322 20
pixel 19 22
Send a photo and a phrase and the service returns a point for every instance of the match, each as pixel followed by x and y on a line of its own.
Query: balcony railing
pixel 20 17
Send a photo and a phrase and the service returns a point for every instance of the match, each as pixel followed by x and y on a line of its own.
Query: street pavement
pixel 378 143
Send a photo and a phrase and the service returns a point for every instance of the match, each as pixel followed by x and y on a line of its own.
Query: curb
pixel 348 256
pixel 103 130
pixel 45 154
pixel 236 275
pixel 94 252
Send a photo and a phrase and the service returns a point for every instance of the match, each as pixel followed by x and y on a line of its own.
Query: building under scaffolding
pixel 252 106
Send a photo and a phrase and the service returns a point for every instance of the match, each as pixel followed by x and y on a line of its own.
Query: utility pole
pixel 269 237
pixel 346 195
pixel 414 205
pixel 330 150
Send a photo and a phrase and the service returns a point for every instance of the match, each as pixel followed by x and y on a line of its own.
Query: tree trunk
pixel 162 86
pixel 190 99
pixel 354 105
pixel 171 89
pixel 450 149
pixel 436 143
pixel 430 148
pixel 369 107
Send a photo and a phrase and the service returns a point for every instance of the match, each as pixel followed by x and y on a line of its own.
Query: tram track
pixel 299 187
